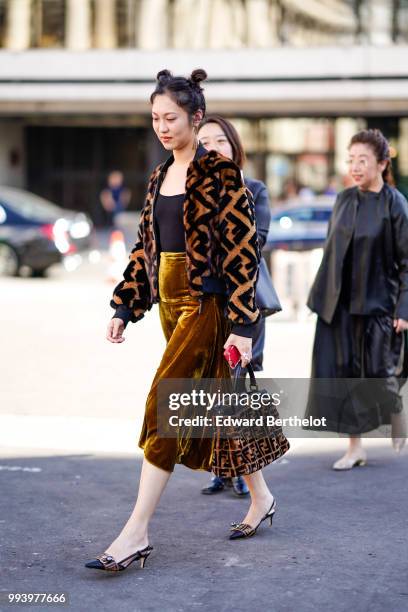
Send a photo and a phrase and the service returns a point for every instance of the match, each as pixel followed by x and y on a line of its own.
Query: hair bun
pixel 198 75
pixel 163 75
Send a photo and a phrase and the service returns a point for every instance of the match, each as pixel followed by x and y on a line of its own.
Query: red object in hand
pixel 232 355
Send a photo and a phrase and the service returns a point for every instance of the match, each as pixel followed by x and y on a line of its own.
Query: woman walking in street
pixel 218 134
pixel 360 295
pixel 197 255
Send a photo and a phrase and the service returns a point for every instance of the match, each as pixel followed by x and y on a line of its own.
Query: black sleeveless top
pixel 168 215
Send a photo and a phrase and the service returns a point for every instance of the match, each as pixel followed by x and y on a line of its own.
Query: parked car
pixel 300 226
pixel 37 233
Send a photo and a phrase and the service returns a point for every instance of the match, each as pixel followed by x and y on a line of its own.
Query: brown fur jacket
pixel 221 241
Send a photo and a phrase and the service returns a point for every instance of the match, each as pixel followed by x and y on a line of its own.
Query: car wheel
pixel 9 263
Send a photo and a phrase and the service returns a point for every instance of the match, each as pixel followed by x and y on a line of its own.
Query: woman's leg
pixel 355 445
pixel 134 534
pixel 261 498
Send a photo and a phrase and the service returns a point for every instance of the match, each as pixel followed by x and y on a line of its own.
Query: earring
pixel 196 141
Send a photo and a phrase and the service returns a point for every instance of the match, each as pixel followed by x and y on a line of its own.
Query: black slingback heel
pixel 108 563
pixel 244 530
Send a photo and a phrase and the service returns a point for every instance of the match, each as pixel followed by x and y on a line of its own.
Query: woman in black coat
pixel 360 295
pixel 218 134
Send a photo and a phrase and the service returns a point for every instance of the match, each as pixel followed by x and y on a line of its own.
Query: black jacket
pixel 379 282
pixel 262 210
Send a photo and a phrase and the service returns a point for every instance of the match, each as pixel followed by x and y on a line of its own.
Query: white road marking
pixel 16 468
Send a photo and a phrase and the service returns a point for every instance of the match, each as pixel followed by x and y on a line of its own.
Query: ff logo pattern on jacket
pixel 221 240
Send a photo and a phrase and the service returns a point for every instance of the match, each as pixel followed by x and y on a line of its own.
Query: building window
pixel 2 22
pixel 400 21
pixel 48 17
pixel 127 12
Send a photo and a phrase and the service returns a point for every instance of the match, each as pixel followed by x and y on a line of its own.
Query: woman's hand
pixel 244 345
pixel 400 325
pixel 115 330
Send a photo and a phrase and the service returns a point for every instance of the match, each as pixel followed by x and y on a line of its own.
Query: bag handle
pixel 253 384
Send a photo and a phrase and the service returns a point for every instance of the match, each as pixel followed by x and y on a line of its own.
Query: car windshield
pixel 28 204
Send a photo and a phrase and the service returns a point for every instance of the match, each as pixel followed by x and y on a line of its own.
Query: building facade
pixel 297 77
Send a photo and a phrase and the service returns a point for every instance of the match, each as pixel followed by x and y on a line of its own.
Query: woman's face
pixel 171 123
pixel 213 137
pixel 364 168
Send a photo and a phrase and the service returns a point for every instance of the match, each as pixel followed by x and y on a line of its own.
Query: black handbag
pixel 266 297
pixel 241 445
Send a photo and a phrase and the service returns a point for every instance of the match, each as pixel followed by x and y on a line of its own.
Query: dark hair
pixel 187 93
pixel 381 149
pixel 238 153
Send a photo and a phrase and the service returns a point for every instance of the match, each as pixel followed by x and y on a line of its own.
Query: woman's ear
pixel 197 118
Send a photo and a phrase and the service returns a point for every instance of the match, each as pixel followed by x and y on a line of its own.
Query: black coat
pixel 262 210
pixel 379 282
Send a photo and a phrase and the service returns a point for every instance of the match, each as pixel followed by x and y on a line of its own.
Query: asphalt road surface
pixel 70 414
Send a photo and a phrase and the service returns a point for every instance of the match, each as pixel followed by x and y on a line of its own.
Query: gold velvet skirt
pixel 194 349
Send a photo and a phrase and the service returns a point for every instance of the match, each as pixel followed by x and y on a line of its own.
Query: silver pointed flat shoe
pixel 347 463
pixel 398 444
